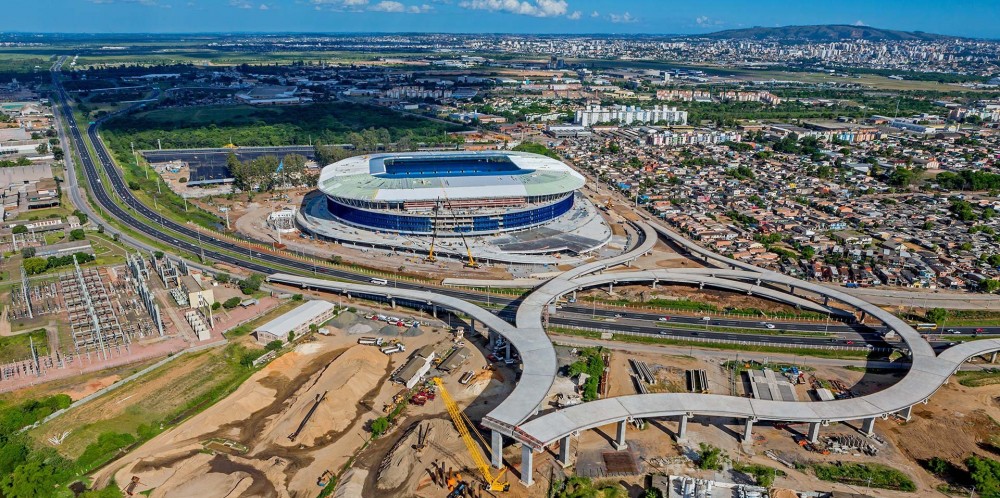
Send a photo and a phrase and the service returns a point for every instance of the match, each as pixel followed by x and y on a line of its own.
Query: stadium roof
pixel 422 176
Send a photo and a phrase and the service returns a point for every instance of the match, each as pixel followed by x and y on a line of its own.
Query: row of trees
pixel 265 173
pixel 37 265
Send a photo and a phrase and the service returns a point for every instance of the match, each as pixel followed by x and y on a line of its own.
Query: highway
pixel 154 225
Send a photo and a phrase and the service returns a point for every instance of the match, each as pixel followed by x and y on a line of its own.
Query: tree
pixel 989 285
pixel 158 254
pixel 58 154
pixel 35 266
pixel 43 148
pixel 379 426
pixel 936 315
pixel 19 229
pixel 273 345
pixel 709 457
pixel 28 252
pixel 297 297
pixel 222 277
pixel 77 234
pixel 251 284
pixel 216 305
pixel 231 303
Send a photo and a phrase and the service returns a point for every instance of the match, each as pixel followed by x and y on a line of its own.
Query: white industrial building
pixel 297 321
pixel 622 114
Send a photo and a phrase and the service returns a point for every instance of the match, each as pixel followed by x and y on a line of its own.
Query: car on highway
pixel 980 330
pixel 767 325
pixel 850 342
pixel 664 332
pixel 953 331
pixel 664 318
pixel 706 318
pixel 618 315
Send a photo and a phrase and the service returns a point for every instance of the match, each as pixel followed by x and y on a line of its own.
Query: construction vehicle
pixel 430 254
pixel 471 263
pixel 465 428
pixel 324 478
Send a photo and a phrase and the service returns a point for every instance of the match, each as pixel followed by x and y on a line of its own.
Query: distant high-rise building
pixel 595 114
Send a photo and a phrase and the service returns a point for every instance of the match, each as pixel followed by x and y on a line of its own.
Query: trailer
pixel 466 377
pixel 393 349
pixel 370 341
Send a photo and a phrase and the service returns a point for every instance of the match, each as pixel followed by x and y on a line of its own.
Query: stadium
pixel 449 193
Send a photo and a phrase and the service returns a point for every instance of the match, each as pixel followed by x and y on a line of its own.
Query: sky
pixel 974 18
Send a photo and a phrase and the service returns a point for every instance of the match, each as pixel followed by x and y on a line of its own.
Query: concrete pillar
pixel 434 310
pixel 611 288
pixel 993 357
pixel 392 301
pixel 905 413
pixel 620 436
pixel 654 284
pixel 491 339
pixel 863 316
pixel 748 431
pixel 814 432
pixel 791 289
pixel 682 428
pixel 564 451
pixel 868 426
pixel 574 295
pixel 496 457
pixel 472 326
pixel 527 465
pixel 507 351
pixel 628 263
pixel 826 300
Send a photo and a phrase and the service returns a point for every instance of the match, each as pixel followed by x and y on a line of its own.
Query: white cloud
pixel 340 5
pixel 625 18
pixel 859 22
pixel 393 6
pixel 264 6
pixel 535 8
pixel 702 20
pixel 595 14
pixel 575 16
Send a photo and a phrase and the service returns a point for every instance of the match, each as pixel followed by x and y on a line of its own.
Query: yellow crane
pixel 430 254
pixel 471 263
pixel 465 428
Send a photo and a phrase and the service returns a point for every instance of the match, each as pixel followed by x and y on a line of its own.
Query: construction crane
pixel 430 254
pixel 465 429
pixel 471 263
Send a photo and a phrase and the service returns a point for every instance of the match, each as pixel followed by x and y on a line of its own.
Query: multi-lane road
pixel 153 225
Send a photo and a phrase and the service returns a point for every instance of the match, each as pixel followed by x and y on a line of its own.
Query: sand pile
pixel 344 320
pixel 404 464
pixel 346 380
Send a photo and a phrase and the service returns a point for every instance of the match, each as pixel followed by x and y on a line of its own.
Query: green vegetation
pixel 36 265
pixel 26 472
pixel 584 487
pixel 231 303
pixel 592 364
pixel 251 284
pixel 273 345
pixel 979 378
pixel 536 148
pixel 379 426
pixel 936 315
pixel 18 346
pixel 968 180
pixel 762 474
pixel 979 472
pixel 865 474
pixel 710 457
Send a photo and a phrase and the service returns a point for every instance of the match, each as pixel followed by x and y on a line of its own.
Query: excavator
pixel 466 428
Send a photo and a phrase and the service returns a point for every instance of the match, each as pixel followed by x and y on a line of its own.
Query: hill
pixel 824 33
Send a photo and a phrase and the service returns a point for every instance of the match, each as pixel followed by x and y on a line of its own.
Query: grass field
pixel 160 399
pixel 979 378
pixel 18 347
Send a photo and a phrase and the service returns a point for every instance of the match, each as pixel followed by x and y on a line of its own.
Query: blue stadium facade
pixel 451 194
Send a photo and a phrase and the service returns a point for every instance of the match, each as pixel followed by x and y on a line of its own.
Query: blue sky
pixel 976 18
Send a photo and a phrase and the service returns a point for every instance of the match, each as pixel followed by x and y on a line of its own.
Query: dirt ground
pixel 722 299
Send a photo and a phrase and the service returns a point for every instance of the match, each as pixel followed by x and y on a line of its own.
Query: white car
pixel 706 318
pixel 664 318
pixel 767 325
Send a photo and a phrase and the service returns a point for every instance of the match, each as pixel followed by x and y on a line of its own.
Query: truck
pixel 370 341
pixel 393 349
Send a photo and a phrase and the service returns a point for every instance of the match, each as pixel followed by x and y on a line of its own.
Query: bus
pixel 926 326
pixel 379 281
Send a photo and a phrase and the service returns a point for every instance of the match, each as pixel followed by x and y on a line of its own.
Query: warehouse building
pixel 415 369
pixel 455 360
pixel 296 321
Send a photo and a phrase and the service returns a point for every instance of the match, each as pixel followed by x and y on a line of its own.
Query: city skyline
pixel 972 19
